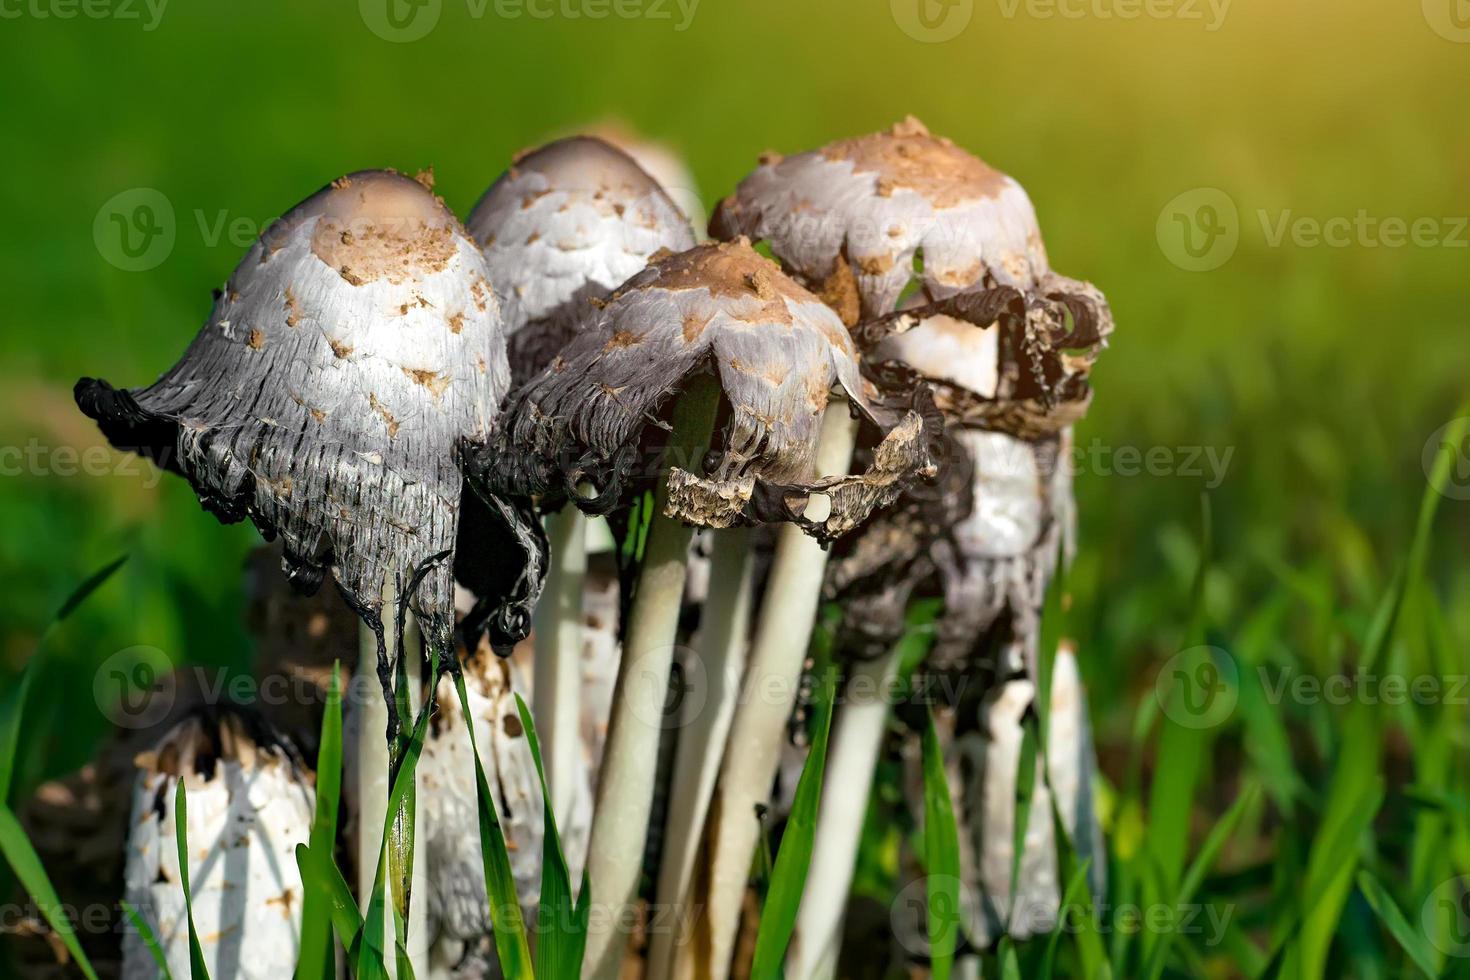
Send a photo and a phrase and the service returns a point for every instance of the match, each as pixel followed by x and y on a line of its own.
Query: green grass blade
pixel 32 876
pixel 788 876
pixel 1076 887
pixel 500 886
pixel 150 940
pixel 558 953
pixel 320 874
pixel 941 857
pixel 197 968
pixel 317 959
pixel 17 697
pixel 1412 941
pixel 1210 850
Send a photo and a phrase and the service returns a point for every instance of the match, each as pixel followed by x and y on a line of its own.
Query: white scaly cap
pixel 357 342
pixel 566 224
pixel 249 804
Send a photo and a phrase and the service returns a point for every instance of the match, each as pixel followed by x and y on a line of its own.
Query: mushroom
pixel 563 227
pixel 458 912
pixel 1004 343
pixel 354 345
pixel 250 804
pixel 777 353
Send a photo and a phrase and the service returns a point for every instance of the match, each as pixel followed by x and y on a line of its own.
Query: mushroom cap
pixel 568 223
pixel 777 351
pixel 852 216
pixel 357 341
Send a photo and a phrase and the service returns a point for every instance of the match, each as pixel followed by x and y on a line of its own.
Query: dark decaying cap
pixel 355 344
pixel 777 352
pixel 567 224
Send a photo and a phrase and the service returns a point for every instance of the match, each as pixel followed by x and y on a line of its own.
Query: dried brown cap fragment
pixel 354 345
pixel 776 350
pixel 564 226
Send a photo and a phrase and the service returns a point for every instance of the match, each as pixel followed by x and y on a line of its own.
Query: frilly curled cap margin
pixel 357 342
pixel 778 353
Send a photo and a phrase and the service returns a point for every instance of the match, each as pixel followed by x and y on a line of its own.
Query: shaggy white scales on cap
pixel 850 218
pixel 566 224
pixel 357 342
pixel 778 353
pixel 249 805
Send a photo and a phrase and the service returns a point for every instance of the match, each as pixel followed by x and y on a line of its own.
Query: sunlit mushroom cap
pixel 566 224
pixel 249 805
pixel 851 218
pixel 776 350
pixel 355 344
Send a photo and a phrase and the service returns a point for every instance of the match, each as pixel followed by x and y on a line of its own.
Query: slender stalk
pixel 724 635
pixel 556 698
pixel 855 747
pixel 626 784
pixel 367 721
pixel 783 632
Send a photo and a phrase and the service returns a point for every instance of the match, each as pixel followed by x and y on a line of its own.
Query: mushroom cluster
pixel 878 412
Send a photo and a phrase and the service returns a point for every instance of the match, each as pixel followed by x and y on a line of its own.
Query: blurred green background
pixel 1151 144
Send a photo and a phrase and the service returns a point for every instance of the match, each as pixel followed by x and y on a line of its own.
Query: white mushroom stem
pixel 626 784
pixel 857 741
pixel 367 723
pixel 557 677
pixel 723 637
pixel 783 632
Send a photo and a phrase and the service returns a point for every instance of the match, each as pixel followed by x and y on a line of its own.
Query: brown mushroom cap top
pixel 357 341
pixel 908 157
pixel 856 216
pixel 563 227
